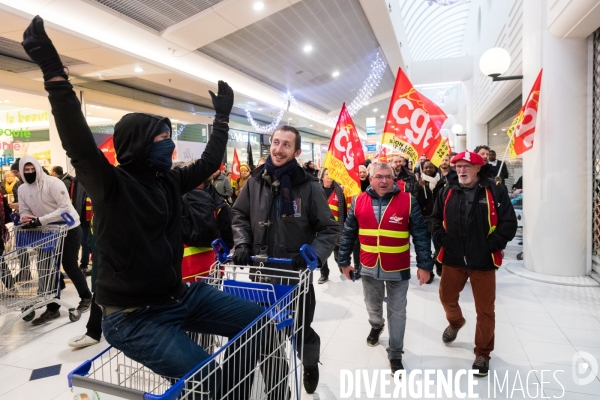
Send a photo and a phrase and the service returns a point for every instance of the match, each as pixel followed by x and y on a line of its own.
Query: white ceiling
pixel 434 31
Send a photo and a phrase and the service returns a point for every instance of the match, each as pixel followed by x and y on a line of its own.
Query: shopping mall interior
pixel 297 62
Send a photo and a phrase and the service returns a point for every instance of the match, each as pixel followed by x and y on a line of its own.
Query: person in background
pixel 447 173
pixel 5 273
pixel 496 164
pixel 426 195
pixel 364 184
pixel 382 219
pixel 67 179
pixel 452 155
pixel 15 171
pixel 282 208
pixel 83 206
pixel 409 164
pixel 311 169
pixel 10 181
pixel 518 185
pixel 222 183
pixel 419 167
pixel 472 221
pixel 363 174
pixel 43 199
pixel 402 173
pixel 241 181
pixel 337 203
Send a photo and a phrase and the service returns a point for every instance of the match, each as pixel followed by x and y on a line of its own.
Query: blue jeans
pixel 156 335
pixel 374 291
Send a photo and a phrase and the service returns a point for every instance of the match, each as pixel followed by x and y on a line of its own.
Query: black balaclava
pixel 30 176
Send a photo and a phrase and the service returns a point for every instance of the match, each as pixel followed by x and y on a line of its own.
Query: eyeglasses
pixel 383 177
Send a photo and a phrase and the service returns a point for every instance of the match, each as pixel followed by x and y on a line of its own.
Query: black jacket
pixel 256 223
pixel 476 251
pixel 67 180
pixel 412 186
pixel 137 210
pixel 503 174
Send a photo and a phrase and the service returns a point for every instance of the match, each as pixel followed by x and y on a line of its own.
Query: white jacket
pixel 47 198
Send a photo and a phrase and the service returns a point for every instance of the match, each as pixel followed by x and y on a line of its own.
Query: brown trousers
pixel 483 284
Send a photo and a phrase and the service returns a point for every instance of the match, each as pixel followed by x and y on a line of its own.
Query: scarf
pixel 431 180
pixel 9 186
pixel 283 174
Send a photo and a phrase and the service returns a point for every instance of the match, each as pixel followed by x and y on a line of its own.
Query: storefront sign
pixel 24 133
pixel 371 147
pixel 371 126
pixel 23 118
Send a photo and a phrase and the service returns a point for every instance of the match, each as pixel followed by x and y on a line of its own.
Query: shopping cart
pixel 276 332
pixel 35 259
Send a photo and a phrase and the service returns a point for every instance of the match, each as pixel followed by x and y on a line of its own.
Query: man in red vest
pixel 472 222
pixel 382 219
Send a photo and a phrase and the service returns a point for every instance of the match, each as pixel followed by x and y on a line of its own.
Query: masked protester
pixel 147 309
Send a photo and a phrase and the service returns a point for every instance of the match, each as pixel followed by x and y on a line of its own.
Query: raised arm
pixel 93 169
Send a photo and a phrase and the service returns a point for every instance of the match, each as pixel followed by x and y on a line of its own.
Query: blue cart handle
pixel 307 252
pixel 16 218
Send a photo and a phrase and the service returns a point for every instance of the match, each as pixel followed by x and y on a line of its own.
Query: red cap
pixel 470 157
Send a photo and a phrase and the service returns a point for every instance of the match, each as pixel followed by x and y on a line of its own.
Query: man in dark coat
pixel 472 221
pixel 283 207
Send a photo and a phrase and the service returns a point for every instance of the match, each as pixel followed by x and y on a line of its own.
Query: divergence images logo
pixel 584 368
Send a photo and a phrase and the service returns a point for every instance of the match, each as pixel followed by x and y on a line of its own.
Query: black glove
pixel 223 103
pixel 34 223
pixel 40 49
pixel 241 255
pixel 298 262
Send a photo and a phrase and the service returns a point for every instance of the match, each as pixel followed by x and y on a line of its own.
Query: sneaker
pixel 323 279
pixel 311 378
pixel 449 335
pixel 482 365
pixel 431 276
pixel 373 338
pixel 84 305
pixel 396 365
pixel 47 316
pixel 83 341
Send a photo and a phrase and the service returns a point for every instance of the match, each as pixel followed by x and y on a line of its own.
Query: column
pixel 555 172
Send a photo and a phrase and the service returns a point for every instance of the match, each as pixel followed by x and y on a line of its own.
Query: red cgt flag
pixel 235 167
pixel 345 154
pixel 413 123
pixel 108 148
pixel 523 126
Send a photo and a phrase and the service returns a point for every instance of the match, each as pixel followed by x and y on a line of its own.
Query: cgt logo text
pixel 434 384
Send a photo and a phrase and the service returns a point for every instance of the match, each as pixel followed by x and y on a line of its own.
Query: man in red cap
pixel 472 222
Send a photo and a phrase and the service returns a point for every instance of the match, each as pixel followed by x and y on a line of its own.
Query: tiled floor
pixel 539 327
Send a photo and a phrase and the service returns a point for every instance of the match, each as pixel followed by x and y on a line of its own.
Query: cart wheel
pixel 74 316
pixel 29 316
pixel 520 256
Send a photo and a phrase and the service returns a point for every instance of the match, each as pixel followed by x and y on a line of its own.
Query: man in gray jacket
pixel 282 207
pixel 382 219
pixel 222 184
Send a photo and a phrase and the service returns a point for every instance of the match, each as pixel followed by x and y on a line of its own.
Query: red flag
pixel 413 123
pixel 235 167
pixel 222 167
pixel 345 154
pixel 523 126
pixel 108 148
pixel 383 155
pixel 449 147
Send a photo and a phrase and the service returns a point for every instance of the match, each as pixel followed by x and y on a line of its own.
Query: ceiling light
pixel 89 113
pixel 307 48
pixel 366 103
pixel 259 5
pixel 503 129
pixel 326 130
pixel 383 116
pixel 289 119
pixel 98 107
pixel 6 101
pixel 174 120
pixel 374 110
pixel 335 74
pixel 138 69
pixel 495 134
pixel 260 109
pixel 310 125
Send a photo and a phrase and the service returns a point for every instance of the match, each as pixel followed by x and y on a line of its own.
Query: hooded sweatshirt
pixel 46 198
pixel 137 210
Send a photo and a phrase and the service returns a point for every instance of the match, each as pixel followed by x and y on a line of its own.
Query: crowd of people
pixel 457 216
